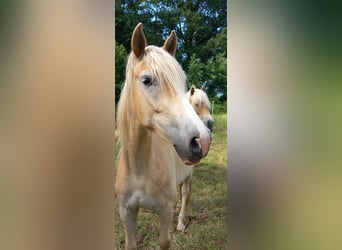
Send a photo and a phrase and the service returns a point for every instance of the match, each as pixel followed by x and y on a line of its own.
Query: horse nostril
pixel 210 124
pixel 195 147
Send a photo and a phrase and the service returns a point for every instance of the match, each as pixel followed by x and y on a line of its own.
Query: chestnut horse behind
pixel 158 132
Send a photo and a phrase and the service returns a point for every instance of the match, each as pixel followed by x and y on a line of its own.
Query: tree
pixel 196 71
pixel 211 73
pixel 120 63
pixel 201 30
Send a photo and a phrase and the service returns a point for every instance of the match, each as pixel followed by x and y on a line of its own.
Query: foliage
pixel 219 108
pixel 120 66
pixel 211 74
pixel 196 71
pixel 201 31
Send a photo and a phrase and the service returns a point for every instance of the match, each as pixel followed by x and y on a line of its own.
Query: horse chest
pixel 140 198
pixel 152 201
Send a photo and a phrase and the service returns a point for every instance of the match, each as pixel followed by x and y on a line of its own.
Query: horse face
pixel 160 103
pixel 200 103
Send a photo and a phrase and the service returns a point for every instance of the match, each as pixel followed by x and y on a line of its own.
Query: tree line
pixel 201 28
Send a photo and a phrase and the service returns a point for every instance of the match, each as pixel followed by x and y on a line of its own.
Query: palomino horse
pixel 158 132
pixel 200 102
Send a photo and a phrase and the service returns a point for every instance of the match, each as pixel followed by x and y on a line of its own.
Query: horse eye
pixel 147 81
pixel 196 105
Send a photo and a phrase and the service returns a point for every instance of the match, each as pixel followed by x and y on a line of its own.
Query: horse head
pixel 200 102
pixel 155 84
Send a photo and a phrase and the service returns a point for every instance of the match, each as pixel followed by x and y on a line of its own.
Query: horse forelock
pixel 201 97
pixel 166 69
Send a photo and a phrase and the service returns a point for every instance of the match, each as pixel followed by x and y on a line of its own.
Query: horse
pixel 200 103
pixel 158 131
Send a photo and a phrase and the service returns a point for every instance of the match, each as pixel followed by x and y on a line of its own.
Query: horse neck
pixel 138 147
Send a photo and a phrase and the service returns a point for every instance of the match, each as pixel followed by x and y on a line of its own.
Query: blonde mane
pixel 165 69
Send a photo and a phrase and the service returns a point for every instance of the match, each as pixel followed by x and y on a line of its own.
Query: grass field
pixel 207 210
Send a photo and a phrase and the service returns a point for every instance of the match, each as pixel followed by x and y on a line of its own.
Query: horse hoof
pixel 181 227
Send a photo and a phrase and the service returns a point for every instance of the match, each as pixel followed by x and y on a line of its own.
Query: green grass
pixel 207 210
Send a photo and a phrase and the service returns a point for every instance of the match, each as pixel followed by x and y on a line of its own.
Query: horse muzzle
pixel 199 148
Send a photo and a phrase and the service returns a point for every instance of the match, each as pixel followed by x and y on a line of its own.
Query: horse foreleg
pixel 165 226
pixel 129 221
pixel 179 203
pixel 185 196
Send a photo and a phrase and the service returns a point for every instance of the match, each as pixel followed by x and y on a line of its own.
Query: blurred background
pixel 56 124
pixel 284 125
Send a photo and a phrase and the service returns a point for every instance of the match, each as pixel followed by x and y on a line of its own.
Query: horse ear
pixel 192 89
pixel 139 42
pixel 203 88
pixel 170 44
